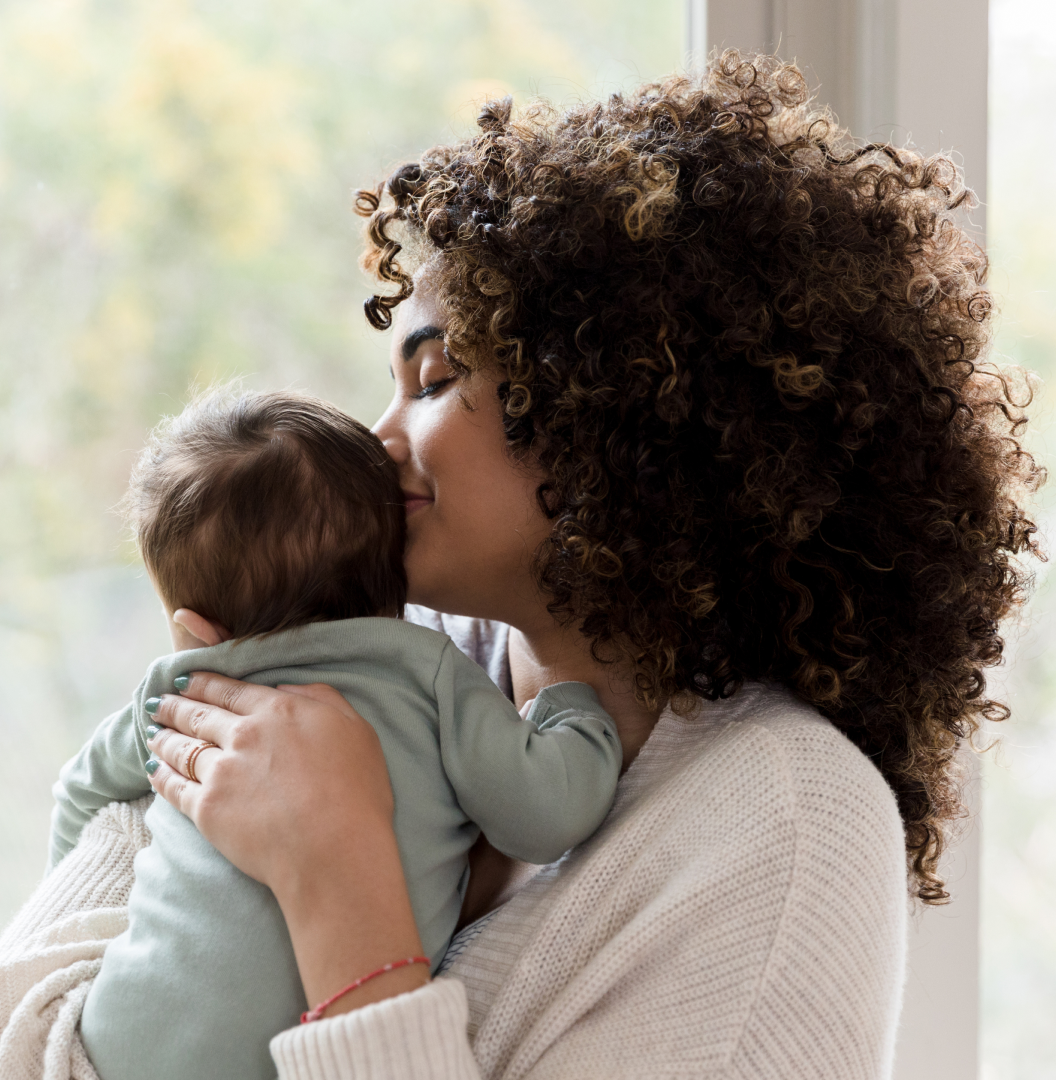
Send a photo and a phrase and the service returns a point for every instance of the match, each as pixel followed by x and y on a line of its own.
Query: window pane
pixel 1019 793
pixel 175 209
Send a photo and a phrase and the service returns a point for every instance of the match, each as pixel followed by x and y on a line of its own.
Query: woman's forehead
pixel 415 321
pixel 419 309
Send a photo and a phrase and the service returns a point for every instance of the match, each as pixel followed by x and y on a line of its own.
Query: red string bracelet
pixel 317 1012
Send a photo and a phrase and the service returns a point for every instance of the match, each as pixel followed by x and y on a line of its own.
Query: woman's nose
pixel 392 437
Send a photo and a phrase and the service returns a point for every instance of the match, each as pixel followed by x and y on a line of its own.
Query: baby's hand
pixel 523 710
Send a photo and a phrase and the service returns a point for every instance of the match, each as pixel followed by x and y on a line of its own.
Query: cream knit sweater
pixel 740 914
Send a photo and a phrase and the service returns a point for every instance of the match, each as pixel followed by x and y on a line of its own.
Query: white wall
pixel 903 70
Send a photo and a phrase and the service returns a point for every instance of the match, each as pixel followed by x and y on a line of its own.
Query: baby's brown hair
pixel 264 511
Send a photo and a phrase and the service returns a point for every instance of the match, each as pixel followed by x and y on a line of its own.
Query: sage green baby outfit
pixel 205 974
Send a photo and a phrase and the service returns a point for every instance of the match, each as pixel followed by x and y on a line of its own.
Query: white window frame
pixel 876 62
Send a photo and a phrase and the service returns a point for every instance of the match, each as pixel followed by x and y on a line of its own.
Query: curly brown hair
pixel 750 355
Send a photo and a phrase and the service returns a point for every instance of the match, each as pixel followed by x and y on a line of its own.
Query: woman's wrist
pixel 349 914
pixel 400 980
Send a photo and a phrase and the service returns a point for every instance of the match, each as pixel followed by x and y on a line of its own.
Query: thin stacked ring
pixel 193 756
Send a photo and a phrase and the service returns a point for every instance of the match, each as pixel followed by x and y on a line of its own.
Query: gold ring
pixel 193 756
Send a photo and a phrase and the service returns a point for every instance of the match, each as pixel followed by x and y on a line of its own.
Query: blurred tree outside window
pixel 175 209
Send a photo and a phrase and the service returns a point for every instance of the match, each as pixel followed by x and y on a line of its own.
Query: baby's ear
pixel 207 631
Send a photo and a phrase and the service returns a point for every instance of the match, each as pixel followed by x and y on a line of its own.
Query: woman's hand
pixel 296 794
pixel 296 768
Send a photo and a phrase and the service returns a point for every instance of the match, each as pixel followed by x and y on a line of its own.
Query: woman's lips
pixel 412 501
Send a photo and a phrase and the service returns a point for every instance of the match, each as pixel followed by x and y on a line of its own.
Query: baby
pixel 272 526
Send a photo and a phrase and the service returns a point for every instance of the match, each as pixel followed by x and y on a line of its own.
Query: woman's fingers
pixel 193 719
pixel 295 771
pixel 230 695
pixel 208 704
pixel 176 750
pixel 177 789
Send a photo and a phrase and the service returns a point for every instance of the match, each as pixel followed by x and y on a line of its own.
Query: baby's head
pixel 256 512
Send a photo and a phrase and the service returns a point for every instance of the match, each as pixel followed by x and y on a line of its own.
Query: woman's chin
pixel 443 588
pixel 428 584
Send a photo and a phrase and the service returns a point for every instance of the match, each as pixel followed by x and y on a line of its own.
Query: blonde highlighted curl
pixel 751 356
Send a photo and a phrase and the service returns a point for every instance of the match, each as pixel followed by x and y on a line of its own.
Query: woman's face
pixel 473 521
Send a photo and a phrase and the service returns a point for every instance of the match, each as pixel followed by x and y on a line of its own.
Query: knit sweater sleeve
pixel 420 1035
pixel 53 948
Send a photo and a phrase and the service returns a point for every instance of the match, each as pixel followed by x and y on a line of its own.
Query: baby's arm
pixel 108 768
pixel 536 786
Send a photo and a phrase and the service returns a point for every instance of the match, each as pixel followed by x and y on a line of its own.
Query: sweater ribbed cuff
pixel 415 1036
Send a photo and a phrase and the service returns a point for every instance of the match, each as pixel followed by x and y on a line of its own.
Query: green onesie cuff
pixel 565 697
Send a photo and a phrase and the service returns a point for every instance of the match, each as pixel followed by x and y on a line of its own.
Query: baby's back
pixel 205 974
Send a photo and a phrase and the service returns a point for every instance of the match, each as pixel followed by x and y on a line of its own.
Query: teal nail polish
pixel 152 766
pixel 152 730
pixel 181 682
pixel 151 705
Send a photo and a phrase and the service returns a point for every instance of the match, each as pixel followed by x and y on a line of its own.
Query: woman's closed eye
pixel 434 373
pixel 430 389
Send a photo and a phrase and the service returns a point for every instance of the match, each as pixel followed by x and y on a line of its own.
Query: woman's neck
pixel 550 653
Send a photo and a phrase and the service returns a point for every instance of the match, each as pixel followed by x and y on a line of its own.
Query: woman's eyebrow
pixel 416 337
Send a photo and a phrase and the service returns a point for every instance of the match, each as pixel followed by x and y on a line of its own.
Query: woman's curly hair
pixel 749 354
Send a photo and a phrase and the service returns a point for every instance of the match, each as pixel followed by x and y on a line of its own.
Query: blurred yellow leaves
pixel 179 122
pixel 44 37
pixel 140 153
pixel 206 131
pixel 110 353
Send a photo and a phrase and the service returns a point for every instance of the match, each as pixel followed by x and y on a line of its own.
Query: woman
pixel 690 405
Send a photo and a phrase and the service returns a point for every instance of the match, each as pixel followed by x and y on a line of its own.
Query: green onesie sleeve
pixel 538 786
pixel 108 768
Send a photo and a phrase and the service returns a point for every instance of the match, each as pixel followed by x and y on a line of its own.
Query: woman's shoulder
pixel 825 770
pixel 764 738
pixel 751 873
pixel 763 769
